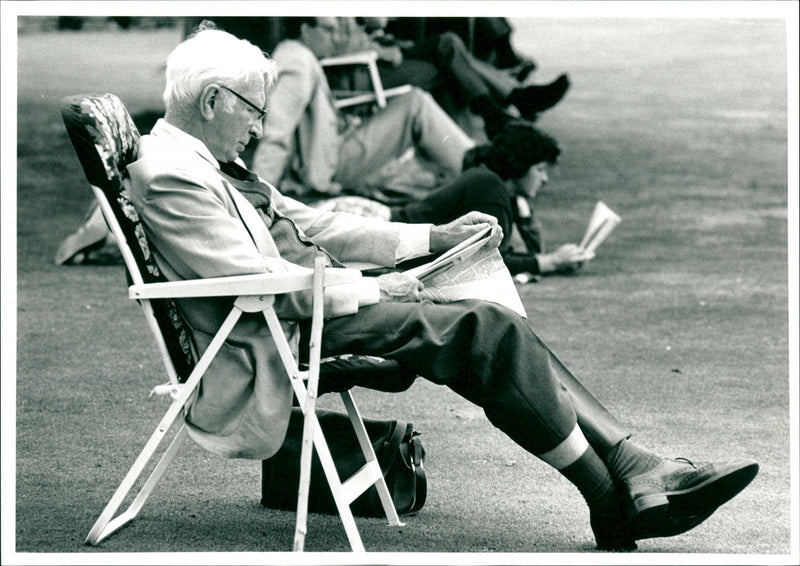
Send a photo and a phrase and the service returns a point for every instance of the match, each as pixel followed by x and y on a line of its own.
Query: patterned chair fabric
pixel 106 141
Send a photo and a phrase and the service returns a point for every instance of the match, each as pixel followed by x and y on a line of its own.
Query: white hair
pixel 213 56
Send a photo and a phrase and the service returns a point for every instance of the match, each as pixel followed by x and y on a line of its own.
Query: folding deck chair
pixel 378 95
pixel 106 141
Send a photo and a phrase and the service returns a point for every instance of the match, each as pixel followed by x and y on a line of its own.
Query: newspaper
pixel 479 274
pixel 454 255
pixel 601 224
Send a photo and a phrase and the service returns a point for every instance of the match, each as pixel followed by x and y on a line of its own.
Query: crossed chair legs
pixel 344 492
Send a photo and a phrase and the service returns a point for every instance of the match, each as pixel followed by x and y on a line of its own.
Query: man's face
pixel 533 180
pixel 235 122
pixel 320 39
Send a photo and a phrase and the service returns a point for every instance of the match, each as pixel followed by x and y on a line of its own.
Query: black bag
pixel 397 446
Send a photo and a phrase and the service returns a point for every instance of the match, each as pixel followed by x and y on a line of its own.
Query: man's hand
pixel 448 235
pixel 568 257
pixel 399 287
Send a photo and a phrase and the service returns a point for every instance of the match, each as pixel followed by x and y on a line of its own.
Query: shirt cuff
pixel 415 241
pixel 367 291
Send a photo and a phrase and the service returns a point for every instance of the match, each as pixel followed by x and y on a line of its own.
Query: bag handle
pixel 390 445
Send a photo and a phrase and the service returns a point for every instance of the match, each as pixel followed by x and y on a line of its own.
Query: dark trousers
pixel 441 61
pixel 475 189
pixel 488 355
pixel 449 54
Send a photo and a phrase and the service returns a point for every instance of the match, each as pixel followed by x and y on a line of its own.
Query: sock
pixel 577 461
pixel 593 479
pixel 628 459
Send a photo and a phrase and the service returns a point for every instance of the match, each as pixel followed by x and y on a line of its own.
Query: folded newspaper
pixel 601 224
pixel 470 271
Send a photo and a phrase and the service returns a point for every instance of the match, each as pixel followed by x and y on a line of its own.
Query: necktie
pixel 292 244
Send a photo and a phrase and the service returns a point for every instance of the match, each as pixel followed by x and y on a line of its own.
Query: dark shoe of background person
pixel 494 117
pixel 678 495
pixel 495 121
pixel 533 99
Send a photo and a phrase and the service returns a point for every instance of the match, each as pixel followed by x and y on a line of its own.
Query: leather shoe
pixel 534 99
pixel 678 495
pixel 613 532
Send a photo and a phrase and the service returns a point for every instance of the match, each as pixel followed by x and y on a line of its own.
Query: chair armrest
pixel 240 285
pixel 352 98
pixel 362 265
pixel 360 58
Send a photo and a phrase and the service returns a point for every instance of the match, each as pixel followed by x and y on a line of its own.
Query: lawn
pixel 680 325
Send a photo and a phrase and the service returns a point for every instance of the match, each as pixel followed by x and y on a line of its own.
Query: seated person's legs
pixel 483 352
pixel 409 120
pixel 485 89
pixel 417 72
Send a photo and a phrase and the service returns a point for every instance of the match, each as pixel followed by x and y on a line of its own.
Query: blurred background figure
pixel 309 148
pixel 501 179
pixel 438 60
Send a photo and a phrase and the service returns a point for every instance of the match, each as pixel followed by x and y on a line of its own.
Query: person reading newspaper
pixel 187 186
pixel 501 179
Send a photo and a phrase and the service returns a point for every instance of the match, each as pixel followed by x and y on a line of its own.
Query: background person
pixel 501 179
pixel 475 84
pixel 308 146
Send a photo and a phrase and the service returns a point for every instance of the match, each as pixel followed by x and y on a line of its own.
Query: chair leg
pixel 369 453
pixel 102 527
pixel 310 405
pixel 341 496
pixel 344 493
pixel 105 526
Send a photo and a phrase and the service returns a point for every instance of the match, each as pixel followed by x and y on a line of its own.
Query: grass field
pixel 680 325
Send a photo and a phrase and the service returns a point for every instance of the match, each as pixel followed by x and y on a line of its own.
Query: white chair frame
pixel 255 293
pixel 378 95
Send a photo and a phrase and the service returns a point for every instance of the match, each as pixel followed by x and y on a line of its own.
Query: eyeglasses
pixel 261 113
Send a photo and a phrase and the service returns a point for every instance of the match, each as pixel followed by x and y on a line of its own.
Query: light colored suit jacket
pixel 200 226
pixel 301 138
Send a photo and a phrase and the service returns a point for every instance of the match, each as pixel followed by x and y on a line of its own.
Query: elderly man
pixel 188 186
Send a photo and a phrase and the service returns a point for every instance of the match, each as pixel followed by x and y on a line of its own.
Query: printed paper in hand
pixel 470 271
pixel 601 224
pixel 453 256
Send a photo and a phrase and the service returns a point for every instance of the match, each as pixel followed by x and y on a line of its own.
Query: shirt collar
pixel 162 128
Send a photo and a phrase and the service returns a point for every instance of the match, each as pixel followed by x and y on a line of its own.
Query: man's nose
pixel 257 129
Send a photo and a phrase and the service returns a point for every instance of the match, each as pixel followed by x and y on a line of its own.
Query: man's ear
pixel 209 101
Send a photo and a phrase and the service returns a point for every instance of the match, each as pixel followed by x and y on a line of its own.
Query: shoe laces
pixel 685 460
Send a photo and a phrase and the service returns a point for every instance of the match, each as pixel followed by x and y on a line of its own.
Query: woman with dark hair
pixel 502 179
